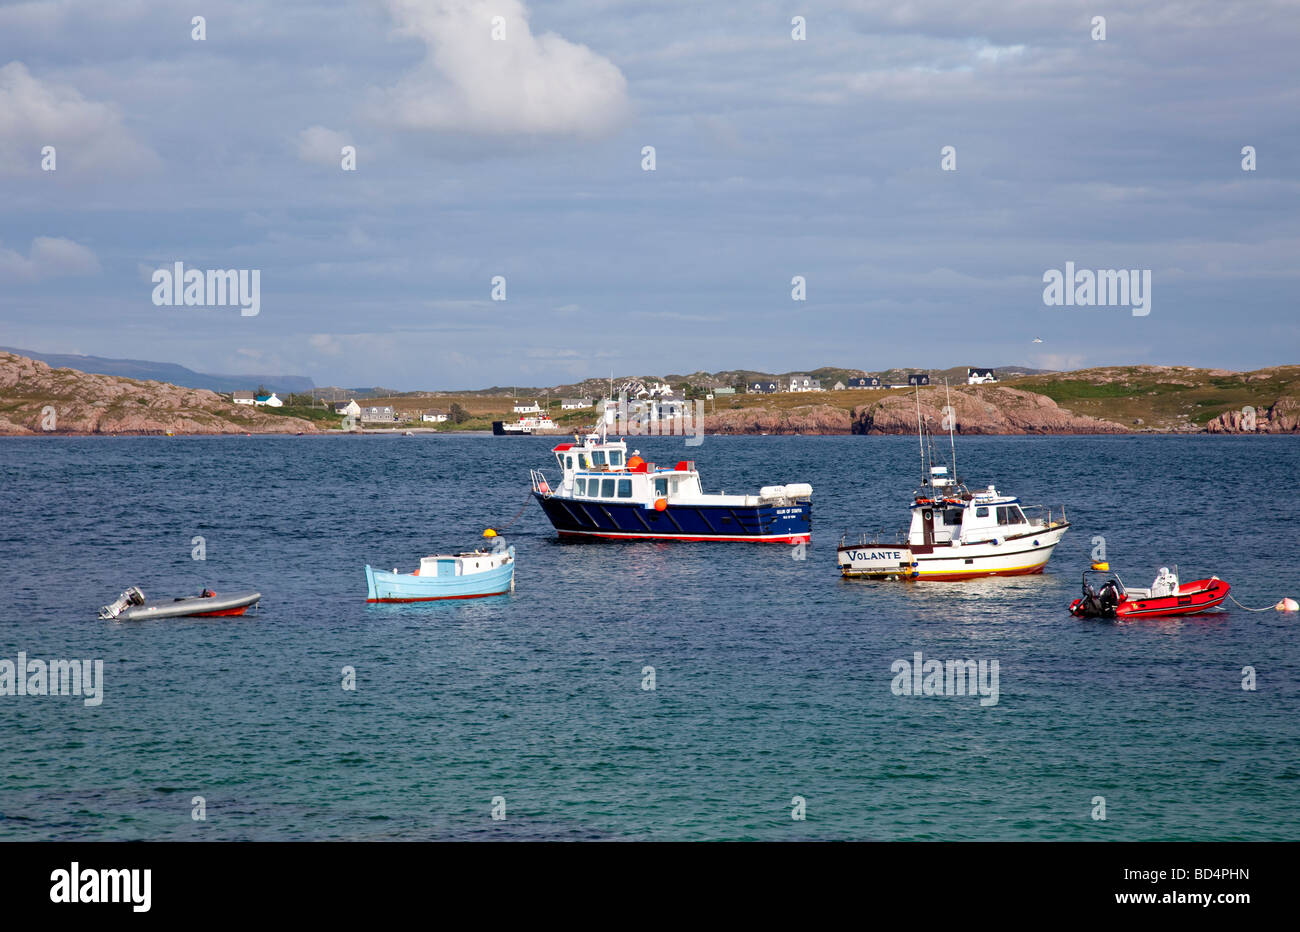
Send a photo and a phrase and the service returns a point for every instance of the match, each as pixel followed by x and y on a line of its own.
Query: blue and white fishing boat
pixel 604 493
pixel 446 576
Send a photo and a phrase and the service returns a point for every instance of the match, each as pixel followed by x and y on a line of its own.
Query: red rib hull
pixel 1200 596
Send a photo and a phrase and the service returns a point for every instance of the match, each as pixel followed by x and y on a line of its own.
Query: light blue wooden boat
pixel 446 576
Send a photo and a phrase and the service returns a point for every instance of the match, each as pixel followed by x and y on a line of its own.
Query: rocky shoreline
pixel 38 400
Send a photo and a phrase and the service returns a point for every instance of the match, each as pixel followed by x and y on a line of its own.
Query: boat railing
pixel 876 540
pixel 540 485
pixel 1044 515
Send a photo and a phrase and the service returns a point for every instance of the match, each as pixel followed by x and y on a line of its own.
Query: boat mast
pixel 919 441
pixel 948 400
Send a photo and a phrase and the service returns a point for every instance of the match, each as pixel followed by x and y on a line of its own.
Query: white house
pixel 383 413
pixel 434 416
pixel 980 376
pixel 574 404
pixel 805 383
pixel 243 398
pixel 533 408
pixel 347 409
pixel 270 401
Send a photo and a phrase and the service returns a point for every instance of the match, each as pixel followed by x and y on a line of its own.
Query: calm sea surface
pixel 773 674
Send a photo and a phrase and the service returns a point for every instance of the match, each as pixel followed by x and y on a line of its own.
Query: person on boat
pixel 1166 584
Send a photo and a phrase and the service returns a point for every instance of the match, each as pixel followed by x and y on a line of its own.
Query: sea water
pixel 639 690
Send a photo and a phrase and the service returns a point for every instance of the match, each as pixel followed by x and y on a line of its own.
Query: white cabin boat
pixel 958 533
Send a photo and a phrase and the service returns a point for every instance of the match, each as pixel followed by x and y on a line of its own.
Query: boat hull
pixel 502 429
pixel 383 586
pixel 610 520
pixel 1203 595
pixel 218 606
pixel 1024 555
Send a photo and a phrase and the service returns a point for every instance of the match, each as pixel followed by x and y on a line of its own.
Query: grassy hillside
pixel 1163 397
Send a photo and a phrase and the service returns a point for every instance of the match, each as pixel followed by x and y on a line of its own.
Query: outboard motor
pixel 1099 603
pixel 1108 598
pixel 132 596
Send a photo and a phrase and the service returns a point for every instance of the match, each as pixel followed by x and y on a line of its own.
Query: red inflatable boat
pixel 1167 596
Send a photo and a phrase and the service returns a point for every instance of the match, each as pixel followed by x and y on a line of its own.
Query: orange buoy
pixel 661 504
pixel 634 461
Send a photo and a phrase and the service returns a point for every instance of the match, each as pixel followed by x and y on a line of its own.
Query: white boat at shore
pixel 523 427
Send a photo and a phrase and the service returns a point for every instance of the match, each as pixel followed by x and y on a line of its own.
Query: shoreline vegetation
pixel 38 400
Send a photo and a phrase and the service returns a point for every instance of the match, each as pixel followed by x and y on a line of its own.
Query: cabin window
pixel 982 512
pixel 616 457
pixel 1010 514
pixel 568 460
pixel 625 488
pixel 661 488
pixel 581 486
pixel 606 488
pixel 952 516
pixel 598 457
pixel 582 460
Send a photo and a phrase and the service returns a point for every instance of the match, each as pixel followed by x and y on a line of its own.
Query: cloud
pixel 49 257
pixel 321 145
pixel 325 343
pixel 87 135
pixel 521 84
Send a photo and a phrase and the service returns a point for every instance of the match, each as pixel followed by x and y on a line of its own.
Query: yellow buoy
pixel 1101 566
pixel 489 533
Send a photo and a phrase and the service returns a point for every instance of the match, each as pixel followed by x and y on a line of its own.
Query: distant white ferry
pixel 524 426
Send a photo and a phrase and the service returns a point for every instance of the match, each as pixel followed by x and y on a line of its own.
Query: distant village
pixel 805 383
pixel 657 399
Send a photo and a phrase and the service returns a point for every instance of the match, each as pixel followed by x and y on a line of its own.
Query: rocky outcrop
pixel 36 399
pixel 1281 417
pixel 978 410
pixel 809 419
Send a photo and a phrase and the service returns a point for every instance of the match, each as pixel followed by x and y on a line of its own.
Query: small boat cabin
pixel 602 469
pixel 949 513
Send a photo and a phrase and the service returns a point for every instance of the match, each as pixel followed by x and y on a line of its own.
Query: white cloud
pixel 49 257
pixel 325 343
pixel 322 145
pixel 87 135
pixel 522 84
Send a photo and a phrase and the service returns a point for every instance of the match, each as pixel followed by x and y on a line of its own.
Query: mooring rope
pixel 506 526
pixel 1267 608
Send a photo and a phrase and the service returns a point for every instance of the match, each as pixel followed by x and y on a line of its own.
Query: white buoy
pixel 1287 605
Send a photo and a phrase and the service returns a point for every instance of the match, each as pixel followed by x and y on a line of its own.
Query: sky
pixel 523 155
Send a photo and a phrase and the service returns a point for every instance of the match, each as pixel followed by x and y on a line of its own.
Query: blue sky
pixel 774 158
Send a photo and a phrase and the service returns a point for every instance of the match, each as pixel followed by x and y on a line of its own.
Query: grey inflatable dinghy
pixel 131 605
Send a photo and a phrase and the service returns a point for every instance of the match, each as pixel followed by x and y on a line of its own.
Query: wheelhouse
pixel 968 518
pixel 604 470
